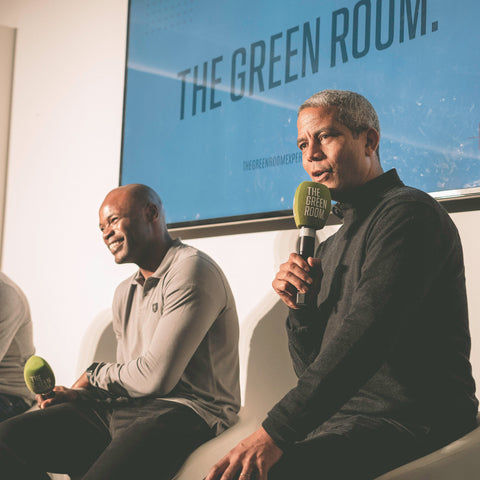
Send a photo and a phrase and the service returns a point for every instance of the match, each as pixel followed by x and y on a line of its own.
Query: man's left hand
pixel 252 458
pixel 64 394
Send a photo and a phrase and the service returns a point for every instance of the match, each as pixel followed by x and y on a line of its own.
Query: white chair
pixel 98 343
pixel 460 460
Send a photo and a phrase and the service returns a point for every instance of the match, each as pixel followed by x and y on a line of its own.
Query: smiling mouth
pixel 115 246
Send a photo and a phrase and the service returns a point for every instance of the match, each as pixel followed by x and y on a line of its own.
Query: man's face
pixel 124 227
pixel 331 155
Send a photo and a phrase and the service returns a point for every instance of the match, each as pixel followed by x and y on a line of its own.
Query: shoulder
pixel 404 193
pixel 409 195
pixel 409 201
pixel 10 291
pixel 188 256
pixel 192 265
pixel 411 212
pixel 12 299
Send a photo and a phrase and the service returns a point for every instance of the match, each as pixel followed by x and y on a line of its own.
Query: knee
pixel 12 433
pixel 6 430
pixel 7 439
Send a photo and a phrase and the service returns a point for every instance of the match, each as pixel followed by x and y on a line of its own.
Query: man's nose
pixel 107 233
pixel 313 152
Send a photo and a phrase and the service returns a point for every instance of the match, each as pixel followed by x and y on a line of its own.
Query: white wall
pixel 468 224
pixel 64 157
pixel 7 48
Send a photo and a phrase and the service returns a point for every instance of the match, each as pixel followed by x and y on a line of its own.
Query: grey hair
pixel 353 110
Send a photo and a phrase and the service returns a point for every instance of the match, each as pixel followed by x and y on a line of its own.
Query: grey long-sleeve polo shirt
pixel 177 336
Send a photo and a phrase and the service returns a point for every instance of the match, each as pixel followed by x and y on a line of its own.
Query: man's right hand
pixel 297 275
pixel 62 395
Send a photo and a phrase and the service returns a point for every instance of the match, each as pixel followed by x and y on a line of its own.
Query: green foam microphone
pixel 311 208
pixel 39 377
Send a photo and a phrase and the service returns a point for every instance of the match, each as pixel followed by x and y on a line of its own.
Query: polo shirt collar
pixel 153 280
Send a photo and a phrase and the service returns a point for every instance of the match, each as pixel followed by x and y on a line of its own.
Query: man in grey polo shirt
pixel 16 346
pixel 175 383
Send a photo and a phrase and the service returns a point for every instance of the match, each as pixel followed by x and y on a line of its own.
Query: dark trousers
pixel 11 406
pixel 366 450
pixel 87 440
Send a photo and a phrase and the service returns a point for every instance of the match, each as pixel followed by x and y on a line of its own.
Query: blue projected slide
pixel 213 88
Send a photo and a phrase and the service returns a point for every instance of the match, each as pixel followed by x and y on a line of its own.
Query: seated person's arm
pixel 404 254
pixel 189 309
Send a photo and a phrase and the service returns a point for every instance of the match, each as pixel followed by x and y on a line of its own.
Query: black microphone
pixel 311 207
pixel 39 377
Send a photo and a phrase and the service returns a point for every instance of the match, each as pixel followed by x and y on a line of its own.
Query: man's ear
pixel 373 139
pixel 151 212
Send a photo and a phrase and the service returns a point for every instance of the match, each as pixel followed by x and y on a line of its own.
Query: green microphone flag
pixel 39 377
pixel 311 208
pixel 311 205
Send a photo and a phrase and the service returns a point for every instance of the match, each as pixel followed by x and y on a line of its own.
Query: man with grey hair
pixel 382 351
pixel 175 383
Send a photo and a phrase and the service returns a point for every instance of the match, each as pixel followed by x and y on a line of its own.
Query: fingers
pixel 48 402
pixel 294 276
pixel 229 471
pixel 221 470
pixel 247 475
pixel 217 470
pixel 295 273
pixel 251 459
pixel 62 394
pixel 250 469
pixel 315 263
pixel 45 402
pixel 253 473
pixel 316 273
pixel 235 465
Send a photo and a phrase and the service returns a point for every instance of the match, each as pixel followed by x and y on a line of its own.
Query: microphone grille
pixel 311 205
pixel 38 375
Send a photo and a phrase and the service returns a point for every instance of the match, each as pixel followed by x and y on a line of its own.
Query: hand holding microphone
pixel 311 207
pixel 40 380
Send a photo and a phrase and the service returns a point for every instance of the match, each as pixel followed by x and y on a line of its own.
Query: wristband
pixel 91 369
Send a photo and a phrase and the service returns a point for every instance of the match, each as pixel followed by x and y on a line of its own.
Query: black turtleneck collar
pixel 368 193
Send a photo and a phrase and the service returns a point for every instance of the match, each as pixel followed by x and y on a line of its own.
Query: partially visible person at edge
pixel 16 346
pixel 175 384
pixel 382 353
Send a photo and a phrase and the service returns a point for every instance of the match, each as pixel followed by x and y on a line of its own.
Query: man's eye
pixel 302 146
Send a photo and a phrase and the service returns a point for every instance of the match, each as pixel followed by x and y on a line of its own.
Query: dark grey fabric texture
pixel 388 338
